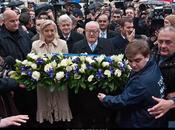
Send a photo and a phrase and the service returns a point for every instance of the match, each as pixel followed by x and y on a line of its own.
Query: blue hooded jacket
pixel 137 97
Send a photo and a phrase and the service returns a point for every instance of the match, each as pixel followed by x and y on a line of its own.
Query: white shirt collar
pixel 67 36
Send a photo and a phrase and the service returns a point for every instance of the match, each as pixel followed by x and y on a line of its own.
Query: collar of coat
pixel 43 43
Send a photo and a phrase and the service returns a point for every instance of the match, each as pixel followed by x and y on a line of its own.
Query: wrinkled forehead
pixel 92 27
pixel 166 34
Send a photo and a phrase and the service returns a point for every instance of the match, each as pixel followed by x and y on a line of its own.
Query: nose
pixel 163 44
pixel 133 64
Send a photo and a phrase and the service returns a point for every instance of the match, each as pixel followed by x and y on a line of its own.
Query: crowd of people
pixel 147 41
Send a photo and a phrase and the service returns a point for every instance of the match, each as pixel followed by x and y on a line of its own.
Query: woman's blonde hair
pixel 44 25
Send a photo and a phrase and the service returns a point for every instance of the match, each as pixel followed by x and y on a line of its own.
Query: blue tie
pixel 93 46
pixel 103 34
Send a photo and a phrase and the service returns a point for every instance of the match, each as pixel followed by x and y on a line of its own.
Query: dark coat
pixel 137 97
pixel 167 67
pixel 7 85
pixel 168 71
pixel 88 112
pixel 74 37
pixel 110 34
pixel 7 106
pixel 103 47
pixel 17 46
pixel 119 44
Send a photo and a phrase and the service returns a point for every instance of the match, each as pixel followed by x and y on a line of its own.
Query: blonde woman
pixel 51 106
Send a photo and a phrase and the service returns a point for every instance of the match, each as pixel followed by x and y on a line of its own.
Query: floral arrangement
pixel 55 71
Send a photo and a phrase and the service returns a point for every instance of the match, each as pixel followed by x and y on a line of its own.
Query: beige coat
pixel 52 106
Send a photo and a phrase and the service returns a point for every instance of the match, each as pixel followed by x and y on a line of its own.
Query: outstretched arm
pixel 162 107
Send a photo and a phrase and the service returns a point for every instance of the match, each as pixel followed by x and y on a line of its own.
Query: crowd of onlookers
pixel 140 32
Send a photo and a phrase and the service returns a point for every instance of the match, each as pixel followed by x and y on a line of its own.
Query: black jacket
pixel 17 46
pixel 103 47
pixel 7 84
pixel 74 37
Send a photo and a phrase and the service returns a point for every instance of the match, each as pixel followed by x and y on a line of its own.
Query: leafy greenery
pixel 55 71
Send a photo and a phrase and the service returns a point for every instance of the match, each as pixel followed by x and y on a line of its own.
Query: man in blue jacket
pixel 145 81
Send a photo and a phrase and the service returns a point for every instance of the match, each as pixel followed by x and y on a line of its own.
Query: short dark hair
pixel 123 20
pixel 24 18
pixel 138 46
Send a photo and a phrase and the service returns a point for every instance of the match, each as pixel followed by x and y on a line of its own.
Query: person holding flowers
pixel 145 81
pixel 51 105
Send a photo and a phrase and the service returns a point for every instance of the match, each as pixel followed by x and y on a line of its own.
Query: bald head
pixel 11 20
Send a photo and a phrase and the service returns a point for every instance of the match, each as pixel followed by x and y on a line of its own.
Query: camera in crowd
pixel 160 13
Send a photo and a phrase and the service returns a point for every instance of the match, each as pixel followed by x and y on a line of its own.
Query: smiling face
pixel 65 27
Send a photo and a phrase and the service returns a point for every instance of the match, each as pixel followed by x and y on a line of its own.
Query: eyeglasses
pixel 92 31
pixel 100 21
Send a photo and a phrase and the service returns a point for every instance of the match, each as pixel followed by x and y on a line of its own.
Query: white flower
pixel 25 62
pixel 90 78
pixel 58 66
pixel 68 68
pixel 45 59
pixel 59 75
pixel 100 58
pixel 53 64
pixel 74 66
pixel 23 73
pixel 105 64
pixel 34 66
pixel 117 58
pixel 118 73
pixel 64 62
pixel 29 63
pixel 82 58
pixel 47 67
pixel 83 66
pixel 12 74
pixel 49 56
pixel 89 60
pixel 36 75
pixel 129 67
pixel 82 70
pixel 18 61
pixel 33 56
pixel 107 73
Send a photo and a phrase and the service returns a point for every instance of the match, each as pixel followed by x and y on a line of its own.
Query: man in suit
pixel 126 35
pixel 92 44
pixel 103 22
pixel 66 33
pixel 88 112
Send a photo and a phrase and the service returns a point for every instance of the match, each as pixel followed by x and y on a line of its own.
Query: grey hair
pixel 168 28
pixel 92 23
pixel 64 18
pixel 44 25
